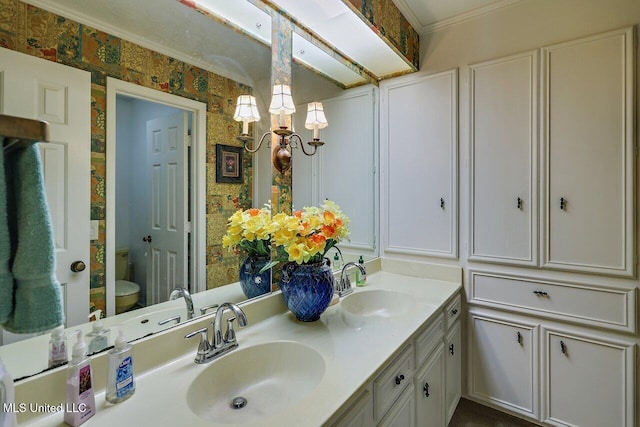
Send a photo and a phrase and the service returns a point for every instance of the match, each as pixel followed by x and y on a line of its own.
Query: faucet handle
pixel 175 318
pixel 204 347
pixel 204 310
pixel 230 335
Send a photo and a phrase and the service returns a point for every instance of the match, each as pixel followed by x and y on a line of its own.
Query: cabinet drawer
pixel 429 339
pixel 604 307
pixel 392 381
pixel 452 312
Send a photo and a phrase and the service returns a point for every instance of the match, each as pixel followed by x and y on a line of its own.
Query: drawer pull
pixel 454 311
pixel 425 389
pixel 519 203
pixel 563 347
pixel 451 349
pixel 563 203
pixel 399 379
pixel 519 338
pixel 441 203
pixel 541 293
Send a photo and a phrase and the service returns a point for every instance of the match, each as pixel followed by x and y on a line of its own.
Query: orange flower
pixel 253 212
pixel 318 240
pixel 328 231
pixel 297 214
pixel 329 217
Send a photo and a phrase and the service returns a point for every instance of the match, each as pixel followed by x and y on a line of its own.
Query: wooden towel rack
pixel 18 132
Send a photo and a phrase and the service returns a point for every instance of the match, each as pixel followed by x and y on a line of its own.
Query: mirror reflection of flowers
pixel 307 235
pixel 250 231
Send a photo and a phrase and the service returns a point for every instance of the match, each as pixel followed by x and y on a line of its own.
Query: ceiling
pixel 428 15
pixel 169 27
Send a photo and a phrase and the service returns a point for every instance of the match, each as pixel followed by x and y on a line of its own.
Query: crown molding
pixel 457 19
pixel 141 41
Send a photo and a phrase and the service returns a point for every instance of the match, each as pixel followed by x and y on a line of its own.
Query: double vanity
pixel 387 354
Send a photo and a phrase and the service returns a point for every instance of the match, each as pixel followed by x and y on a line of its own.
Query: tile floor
pixel 471 414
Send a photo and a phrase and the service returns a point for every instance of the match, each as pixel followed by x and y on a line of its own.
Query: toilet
pixel 127 292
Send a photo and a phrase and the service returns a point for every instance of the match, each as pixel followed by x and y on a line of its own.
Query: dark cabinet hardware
pixel 425 389
pixel 399 379
pixel 563 203
pixel 519 338
pixel 541 293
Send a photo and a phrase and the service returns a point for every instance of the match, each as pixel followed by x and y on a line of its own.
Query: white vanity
pixel 389 354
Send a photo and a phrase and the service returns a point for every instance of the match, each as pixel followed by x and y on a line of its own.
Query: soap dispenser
pixel 7 399
pixel 360 278
pixel 58 347
pixel 81 401
pixel 120 382
pixel 99 336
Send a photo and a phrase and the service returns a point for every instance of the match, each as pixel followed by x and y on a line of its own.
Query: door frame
pixel 198 179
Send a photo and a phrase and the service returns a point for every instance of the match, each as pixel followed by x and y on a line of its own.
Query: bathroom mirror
pixel 235 55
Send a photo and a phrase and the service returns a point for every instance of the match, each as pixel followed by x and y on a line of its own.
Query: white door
pixel 166 265
pixel 39 89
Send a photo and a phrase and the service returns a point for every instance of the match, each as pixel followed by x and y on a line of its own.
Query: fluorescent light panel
pixel 242 14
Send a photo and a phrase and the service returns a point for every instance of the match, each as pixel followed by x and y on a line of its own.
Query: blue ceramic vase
pixel 252 282
pixel 307 289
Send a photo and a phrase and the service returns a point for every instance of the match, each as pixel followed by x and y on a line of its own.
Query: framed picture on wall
pixel 229 164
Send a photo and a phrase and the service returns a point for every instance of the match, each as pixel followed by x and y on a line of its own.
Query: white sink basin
pixel 271 377
pixel 375 304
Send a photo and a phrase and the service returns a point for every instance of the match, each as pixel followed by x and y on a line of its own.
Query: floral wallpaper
pixel 34 31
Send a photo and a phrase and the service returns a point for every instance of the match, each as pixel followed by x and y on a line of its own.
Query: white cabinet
pixel 429 391
pixel 419 158
pixel 359 414
pixel 588 158
pixel 403 412
pixel 453 369
pixel 504 141
pixel 503 357
pixel 585 137
pixel 594 372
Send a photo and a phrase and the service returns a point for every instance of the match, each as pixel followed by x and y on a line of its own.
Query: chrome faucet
pixel 343 287
pixel 220 343
pixel 184 293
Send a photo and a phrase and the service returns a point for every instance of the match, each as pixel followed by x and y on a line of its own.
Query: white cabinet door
pixel 403 412
pixel 430 391
pixel 596 373
pixel 360 414
pixel 504 140
pixel 503 360
pixel 453 369
pixel 419 146
pixel 588 154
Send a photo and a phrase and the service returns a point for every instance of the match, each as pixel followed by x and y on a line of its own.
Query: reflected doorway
pixel 156 222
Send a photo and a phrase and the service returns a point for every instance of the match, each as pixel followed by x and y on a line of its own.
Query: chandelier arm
pixel 302 146
pixel 264 135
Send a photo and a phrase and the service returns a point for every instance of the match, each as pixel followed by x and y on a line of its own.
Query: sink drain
pixel 239 402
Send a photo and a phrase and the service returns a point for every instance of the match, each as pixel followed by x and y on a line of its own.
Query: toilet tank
pixel 122 264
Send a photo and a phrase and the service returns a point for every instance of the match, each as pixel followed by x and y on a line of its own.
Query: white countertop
pixel 352 355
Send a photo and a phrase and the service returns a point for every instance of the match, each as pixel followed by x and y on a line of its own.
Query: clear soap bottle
pixel 120 382
pixel 58 347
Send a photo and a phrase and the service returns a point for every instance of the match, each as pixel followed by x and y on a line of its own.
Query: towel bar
pixel 19 131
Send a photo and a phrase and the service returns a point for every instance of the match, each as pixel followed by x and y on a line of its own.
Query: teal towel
pixel 6 278
pixel 37 303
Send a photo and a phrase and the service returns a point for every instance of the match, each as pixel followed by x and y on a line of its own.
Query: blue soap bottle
pixel 120 382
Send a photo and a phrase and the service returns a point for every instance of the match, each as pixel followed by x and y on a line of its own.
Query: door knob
pixel 78 266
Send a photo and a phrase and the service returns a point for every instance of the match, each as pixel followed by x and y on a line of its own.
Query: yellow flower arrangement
pixel 307 235
pixel 250 230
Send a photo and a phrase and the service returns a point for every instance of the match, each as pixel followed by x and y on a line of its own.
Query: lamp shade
pixel 315 116
pixel 282 101
pixel 246 109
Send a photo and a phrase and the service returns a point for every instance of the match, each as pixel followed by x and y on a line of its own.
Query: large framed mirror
pixel 163 55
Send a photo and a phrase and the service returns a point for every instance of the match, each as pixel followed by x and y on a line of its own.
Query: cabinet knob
pixel 519 337
pixel 425 389
pixel 399 379
pixel 454 311
pixel 519 203
pixel 563 203
pixel 541 293
pixel 441 203
pixel 451 349
pixel 147 239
